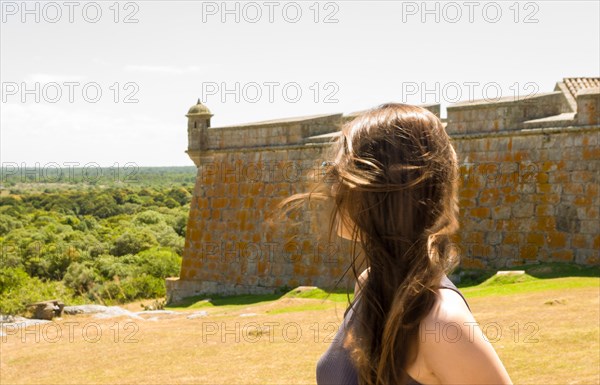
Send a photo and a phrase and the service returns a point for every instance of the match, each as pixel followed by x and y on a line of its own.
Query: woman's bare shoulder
pixel 454 347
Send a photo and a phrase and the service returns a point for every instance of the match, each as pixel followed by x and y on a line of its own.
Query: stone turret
pixel 198 123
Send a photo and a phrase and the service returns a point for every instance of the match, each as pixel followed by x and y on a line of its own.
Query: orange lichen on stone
pixel 562 255
pixel 195 234
pixel 474 237
pixel 582 201
pixel 480 212
pixel 545 224
pixel 528 252
pixel 544 210
pixel 573 188
pixel 597 242
pixel 512 238
pixel 537 239
pixel 255 189
pixel 262 267
pixel 579 241
pixel 481 250
pixel 219 203
pixel 472 263
pixel 556 240
pixel 468 193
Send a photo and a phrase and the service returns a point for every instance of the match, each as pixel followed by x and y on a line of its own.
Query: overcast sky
pixel 151 60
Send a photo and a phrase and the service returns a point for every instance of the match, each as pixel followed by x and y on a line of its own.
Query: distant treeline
pixel 92 174
pixel 105 243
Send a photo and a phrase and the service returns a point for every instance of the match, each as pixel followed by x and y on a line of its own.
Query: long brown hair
pixel 395 176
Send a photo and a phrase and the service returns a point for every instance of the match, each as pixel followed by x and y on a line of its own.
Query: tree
pixel 133 241
pixel 81 277
pixel 180 195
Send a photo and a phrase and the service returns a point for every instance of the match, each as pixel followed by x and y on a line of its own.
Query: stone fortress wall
pixel 530 191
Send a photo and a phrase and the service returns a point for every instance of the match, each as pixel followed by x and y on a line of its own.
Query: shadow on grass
pixel 217 300
pixel 335 295
pixel 471 277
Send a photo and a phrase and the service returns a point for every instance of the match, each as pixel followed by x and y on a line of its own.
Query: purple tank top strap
pixel 448 284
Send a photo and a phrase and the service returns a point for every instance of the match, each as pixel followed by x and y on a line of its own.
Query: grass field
pixel 546 331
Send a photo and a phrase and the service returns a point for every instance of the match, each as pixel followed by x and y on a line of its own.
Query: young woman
pixel 394 196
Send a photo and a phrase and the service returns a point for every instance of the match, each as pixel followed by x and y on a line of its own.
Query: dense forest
pixel 109 241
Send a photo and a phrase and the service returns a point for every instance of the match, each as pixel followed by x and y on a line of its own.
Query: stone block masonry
pixel 529 197
pixel 529 191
